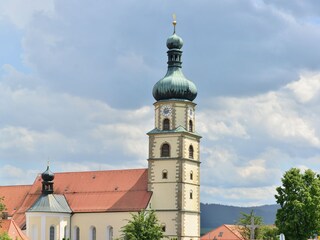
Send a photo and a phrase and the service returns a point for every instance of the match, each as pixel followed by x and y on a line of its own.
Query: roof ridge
pixel 140 190
pixel 228 226
pixel 19 185
pixel 97 171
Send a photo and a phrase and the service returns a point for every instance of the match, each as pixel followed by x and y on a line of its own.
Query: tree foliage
pixel 267 232
pixel 245 220
pixel 2 206
pixel 299 199
pixel 143 226
pixel 5 236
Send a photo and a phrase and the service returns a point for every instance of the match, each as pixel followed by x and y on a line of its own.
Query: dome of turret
pixel 174 41
pixel 47 175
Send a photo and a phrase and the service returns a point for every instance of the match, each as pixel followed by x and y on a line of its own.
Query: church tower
pixel 174 154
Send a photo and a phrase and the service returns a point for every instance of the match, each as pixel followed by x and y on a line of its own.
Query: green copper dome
pixel 174 85
pixel 174 41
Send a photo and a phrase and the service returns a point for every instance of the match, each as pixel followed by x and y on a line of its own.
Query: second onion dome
pixel 47 175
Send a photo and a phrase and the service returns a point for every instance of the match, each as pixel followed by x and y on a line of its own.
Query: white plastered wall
pixel 39 223
pixel 101 221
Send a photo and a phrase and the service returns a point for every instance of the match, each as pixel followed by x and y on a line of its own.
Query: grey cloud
pixel 230 48
pixel 304 9
pixel 86 102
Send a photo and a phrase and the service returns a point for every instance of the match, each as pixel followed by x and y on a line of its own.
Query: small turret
pixel 47 181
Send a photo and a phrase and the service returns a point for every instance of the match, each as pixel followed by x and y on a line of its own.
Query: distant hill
pixel 214 215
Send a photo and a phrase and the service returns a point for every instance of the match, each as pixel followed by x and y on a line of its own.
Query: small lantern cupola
pixel 47 181
pixel 174 85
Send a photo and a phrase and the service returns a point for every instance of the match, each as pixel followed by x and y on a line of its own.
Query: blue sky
pixel 76 82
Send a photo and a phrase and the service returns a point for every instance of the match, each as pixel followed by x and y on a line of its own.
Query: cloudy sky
pixel 76 79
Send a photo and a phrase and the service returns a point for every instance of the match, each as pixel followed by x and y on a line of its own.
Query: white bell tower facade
pixel 174 151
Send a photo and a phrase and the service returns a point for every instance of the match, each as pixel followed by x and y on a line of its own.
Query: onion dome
pixel 47 175
pixel 174 41
pixel 174 85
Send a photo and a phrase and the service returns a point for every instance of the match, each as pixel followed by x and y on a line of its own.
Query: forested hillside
pixel 214 215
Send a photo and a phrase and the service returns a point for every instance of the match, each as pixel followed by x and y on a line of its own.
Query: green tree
pixel 143 226
pixel 299 199
pixel 2 206
pixel 5 236
pixel 267 232
pixel 245 220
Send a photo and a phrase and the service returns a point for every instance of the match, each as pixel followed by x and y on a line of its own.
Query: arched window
pixel 52 233
pixel 65 229
pixel 76 233
pixel 165 150
pixel 191 175
pixel 166 124
pixel 93 233
pixel 164 174
pixel 109 233
pixel 191 151
pixel 191 194
pixel 163 226
pixel 190 126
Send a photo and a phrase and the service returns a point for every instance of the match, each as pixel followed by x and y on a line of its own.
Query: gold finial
pixel 174 22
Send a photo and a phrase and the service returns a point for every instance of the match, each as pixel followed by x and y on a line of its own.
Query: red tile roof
pixel 224 232
pixel 14 196
pixel 10 227
pixel 95 191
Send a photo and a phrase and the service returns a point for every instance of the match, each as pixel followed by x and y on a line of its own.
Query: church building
pixel 95 205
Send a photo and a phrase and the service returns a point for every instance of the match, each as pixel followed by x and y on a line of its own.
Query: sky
pixel 76 82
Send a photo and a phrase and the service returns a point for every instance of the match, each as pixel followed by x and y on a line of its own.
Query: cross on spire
pixel 252 227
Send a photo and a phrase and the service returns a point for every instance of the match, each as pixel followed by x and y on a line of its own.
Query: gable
pixel 10 227
pixel 224 232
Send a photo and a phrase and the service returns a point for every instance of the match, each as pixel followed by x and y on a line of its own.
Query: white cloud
pixel 306 88
pixel 223 167
pixel 253 196
pixel 11 174
pixel 277 132
pixel 21 12
pixel 274 115
pixel 62 127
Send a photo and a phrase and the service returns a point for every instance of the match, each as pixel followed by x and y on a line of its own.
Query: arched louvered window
pixel 52 233
pixel 166 124
pixel 190 126
pixel 165 150
pixel 191 151
pixel 163 226
pixel 191 175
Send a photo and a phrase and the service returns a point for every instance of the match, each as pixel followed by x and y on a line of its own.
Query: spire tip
pixel 174 22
